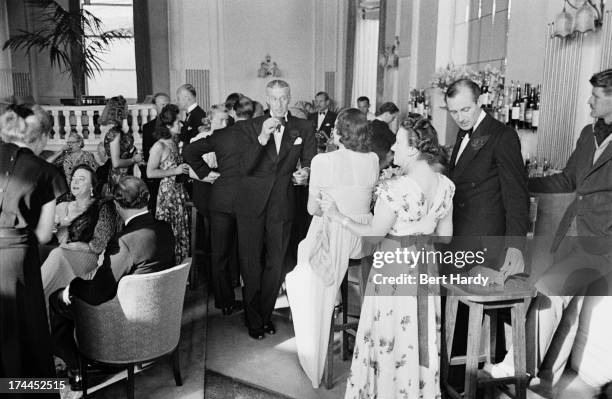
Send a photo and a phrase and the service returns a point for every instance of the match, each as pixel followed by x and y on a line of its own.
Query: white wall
pixel 252 29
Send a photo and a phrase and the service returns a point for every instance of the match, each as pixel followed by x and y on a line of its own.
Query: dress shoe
pixel 257 334
pixel 75 380
pixel 270 328
pixel 228 310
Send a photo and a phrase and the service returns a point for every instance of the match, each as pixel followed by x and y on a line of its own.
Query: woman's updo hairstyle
pixel 354 130
pixel 167 117
pixel 423 137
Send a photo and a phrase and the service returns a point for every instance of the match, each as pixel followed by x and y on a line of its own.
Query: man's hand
pixel 300 176
pixel 267 129
pixel 66 296
pixel 211 177
pixel 514 263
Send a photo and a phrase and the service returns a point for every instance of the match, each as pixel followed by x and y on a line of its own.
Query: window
pixel 118 75
pixel 481 31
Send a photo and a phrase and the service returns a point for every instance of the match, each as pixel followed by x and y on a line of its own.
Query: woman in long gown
pixel 396 351
pixel 350 173
pixel 119 145
pixel 29 187
pixel 166 163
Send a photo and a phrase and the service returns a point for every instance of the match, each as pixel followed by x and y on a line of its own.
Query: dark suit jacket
pixel 145 245
pixel 191 125
pixel 228 144
pixel 592 207
pixel 328 121
pixel 381 130
pixel 147 137
pixel 491 197
pixel 267 175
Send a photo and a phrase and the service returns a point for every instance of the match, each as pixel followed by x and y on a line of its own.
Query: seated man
pixel 582 244
pixel 145 245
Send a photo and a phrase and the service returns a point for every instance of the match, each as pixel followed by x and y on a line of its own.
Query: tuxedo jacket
pixel 491 197
pixel 381 130
pixel 267 175
pixel 228 144
pixel 328 121
pixel 148 138
pixel 592 182
pixel 191 125
pixel 145 245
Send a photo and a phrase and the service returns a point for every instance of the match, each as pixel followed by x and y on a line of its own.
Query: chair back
pixel 142 322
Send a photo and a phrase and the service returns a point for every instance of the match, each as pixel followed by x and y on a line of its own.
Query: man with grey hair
pixel 277 156
pixel 186 101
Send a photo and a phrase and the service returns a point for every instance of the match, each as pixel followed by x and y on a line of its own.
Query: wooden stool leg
pixel 345 334
pixel 450 315
pixel 518 342
pixel 473 350
pixel 489 334
pixel 329 360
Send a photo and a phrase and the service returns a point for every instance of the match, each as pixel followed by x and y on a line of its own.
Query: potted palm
pixel 74 38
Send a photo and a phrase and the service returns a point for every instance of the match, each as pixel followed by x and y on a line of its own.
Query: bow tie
pixel 601 131
pixel 283 122
pixel 463 133
pixel 322 113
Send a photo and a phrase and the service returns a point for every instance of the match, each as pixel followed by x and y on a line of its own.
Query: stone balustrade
pixel 84 120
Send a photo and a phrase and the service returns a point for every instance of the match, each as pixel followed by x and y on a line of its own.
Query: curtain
pixel 366 61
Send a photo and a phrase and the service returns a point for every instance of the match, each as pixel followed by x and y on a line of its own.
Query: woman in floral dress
pixel 396 349
pixel 166 163
pixel 119 145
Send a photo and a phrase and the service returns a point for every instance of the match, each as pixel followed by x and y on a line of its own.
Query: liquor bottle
pixel 427 108
pixel 535 119
pixel 523 106
pixel 516 109
pixel 529 110
pixel 528 165
pixel 421 103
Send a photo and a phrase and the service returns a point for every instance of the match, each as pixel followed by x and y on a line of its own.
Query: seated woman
pixel 396 353
pixel 85 226
pixel 72 155
pixel 323 256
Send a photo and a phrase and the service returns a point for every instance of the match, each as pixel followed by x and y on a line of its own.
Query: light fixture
pixel 588 17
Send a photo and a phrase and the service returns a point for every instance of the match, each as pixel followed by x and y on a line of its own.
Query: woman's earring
pixel 91 192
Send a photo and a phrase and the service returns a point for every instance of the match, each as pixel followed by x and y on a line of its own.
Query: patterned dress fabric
pixel 171 200
pixel 126 148
pixel 386 356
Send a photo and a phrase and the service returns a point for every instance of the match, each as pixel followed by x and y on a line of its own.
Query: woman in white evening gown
pixel 350 174
pixel 396 351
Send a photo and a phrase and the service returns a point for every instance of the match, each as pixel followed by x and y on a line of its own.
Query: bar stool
pixel 485 301
pixel 346 327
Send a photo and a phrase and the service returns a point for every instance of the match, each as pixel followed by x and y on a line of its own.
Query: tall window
pixel 481 30
pixel 118 75
pixel 366 57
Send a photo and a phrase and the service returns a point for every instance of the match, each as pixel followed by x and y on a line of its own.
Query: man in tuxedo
pixel 323 120
pixel 486 165
pixel 266 201
pixel 491 199
pixel 380 125
pixel 145 245
pixel 194 114
pixel 148 139
pixel 363 104
pixel 228 144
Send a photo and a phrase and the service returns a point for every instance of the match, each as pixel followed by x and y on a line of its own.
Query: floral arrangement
pixel 491 77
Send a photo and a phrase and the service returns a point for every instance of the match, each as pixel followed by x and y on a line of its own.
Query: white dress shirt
pixel 466 138
pixel 321 118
